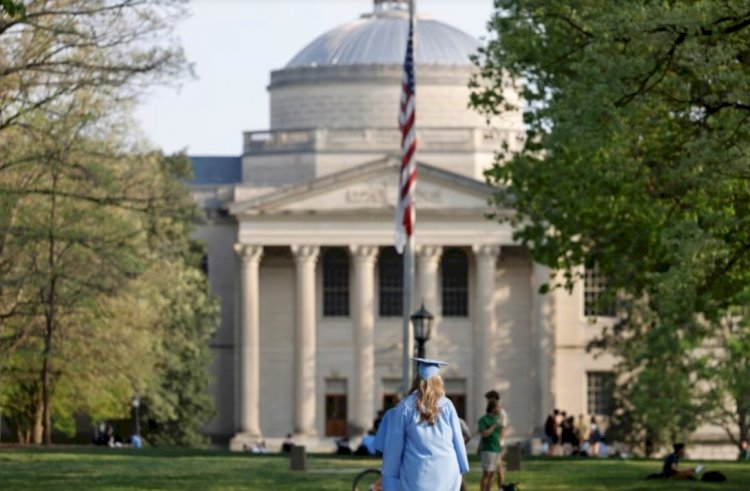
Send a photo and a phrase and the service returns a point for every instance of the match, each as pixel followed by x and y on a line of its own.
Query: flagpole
pixel 408 339
pixel 408 266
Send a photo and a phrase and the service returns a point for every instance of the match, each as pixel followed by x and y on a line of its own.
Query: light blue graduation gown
pixel 422 457
pixel 382 430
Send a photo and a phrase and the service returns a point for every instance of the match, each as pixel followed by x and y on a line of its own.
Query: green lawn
pixel 90 468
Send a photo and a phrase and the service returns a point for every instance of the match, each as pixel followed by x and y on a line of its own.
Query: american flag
pixel 407 178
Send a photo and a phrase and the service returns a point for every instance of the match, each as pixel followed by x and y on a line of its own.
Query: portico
pixel 307 221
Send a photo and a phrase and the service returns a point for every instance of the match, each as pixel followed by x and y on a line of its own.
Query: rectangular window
pixel 600 387
pixel 455 281
pixel 595 301
pixel 335 283
pixel 391 275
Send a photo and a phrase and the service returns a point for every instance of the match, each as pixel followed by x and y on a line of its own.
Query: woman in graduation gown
pixel 424 448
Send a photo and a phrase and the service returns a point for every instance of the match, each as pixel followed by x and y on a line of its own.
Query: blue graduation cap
pixel 428 368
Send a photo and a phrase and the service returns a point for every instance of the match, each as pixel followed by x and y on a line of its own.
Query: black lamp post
pixel 136 403
pixel 422 321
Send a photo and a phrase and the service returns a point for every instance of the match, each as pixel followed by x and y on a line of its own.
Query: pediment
pixel 372 187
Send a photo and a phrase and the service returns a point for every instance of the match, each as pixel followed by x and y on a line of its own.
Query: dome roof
pixel 380 39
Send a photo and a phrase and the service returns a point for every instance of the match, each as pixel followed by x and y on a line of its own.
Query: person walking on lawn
pixel 492 430
pixel 423 446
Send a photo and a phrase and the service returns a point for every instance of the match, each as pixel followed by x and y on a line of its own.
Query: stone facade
pixel 511 338
pixel 364 96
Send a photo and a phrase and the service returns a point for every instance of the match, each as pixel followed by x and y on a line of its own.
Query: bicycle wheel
pixel 367 480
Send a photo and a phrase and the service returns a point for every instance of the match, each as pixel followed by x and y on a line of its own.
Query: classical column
pixel 484 323
pixel 543 339
pixel 363 315
pixel 305 258
pixel 248 350
pixel 428 261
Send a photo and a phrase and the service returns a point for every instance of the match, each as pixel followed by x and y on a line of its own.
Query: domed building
pixel 300 250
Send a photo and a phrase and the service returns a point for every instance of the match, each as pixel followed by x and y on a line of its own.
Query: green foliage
pixel 71 250
pixel 635 160
pixel 12 8
pixel 53 49
pixel 728 366
pixel 658 404
pixel 101 295
pixel 178 404
pixel 133 311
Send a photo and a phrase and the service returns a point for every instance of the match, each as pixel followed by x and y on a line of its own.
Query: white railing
pixel 375 139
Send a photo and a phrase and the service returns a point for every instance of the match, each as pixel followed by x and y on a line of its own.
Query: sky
pixel 235 44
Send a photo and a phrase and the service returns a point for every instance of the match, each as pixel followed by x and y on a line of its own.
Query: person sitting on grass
pixel 744 451
pixel 595 437
pixel 288 443
pixel 135 441
pixel 367 446
pixel 671 463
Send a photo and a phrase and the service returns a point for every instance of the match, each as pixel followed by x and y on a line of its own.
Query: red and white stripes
pixel 405 213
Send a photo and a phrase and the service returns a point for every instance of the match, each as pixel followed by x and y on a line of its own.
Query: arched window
pixel 455 276
pixel 335 283
pixel 391 275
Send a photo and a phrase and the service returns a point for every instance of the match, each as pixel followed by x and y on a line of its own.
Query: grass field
pixel 110 469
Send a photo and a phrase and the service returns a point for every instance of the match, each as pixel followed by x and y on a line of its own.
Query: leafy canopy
pixel 636 156
pixel 635 160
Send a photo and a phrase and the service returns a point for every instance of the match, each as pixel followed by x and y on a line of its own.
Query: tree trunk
pixel 47 419
pixel 24 435
pixel 50 319
pixel 37 429
pixel 21 432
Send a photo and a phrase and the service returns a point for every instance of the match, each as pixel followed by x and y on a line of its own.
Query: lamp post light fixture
pixel 422 321
pixel 136 403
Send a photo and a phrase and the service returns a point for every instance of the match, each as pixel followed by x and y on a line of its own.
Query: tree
pixel 117 303
pixel 73 249
pixel 658 400
pixel 178 405
pixel 728 366
pixel 60 47
pixel 76 202
pixel 636 152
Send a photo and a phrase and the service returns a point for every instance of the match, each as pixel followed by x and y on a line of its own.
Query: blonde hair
pixel 429 393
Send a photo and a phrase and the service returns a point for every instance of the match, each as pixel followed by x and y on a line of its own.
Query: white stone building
pixel 300 236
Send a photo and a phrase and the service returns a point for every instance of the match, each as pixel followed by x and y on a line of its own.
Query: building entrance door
pixel 335 414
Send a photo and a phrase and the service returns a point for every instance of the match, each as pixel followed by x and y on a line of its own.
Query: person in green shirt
pixel 744 452
pixel 491 429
